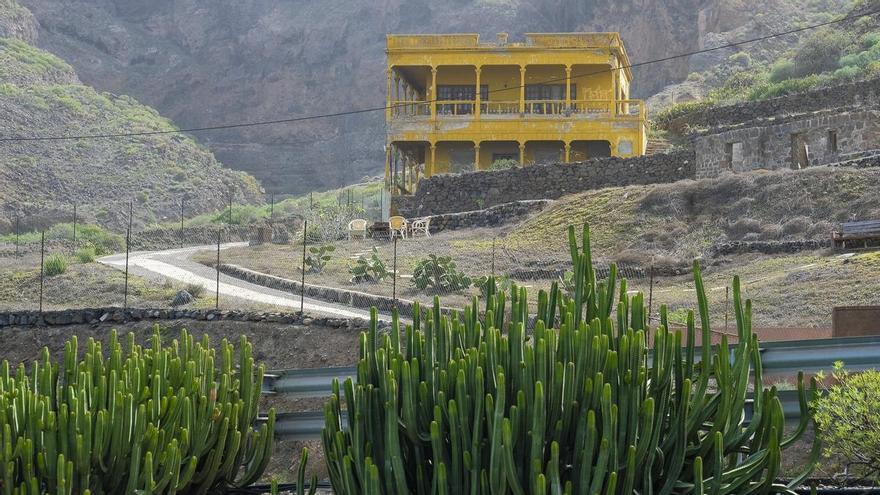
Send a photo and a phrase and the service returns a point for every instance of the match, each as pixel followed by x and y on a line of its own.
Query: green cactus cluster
pixel 583 399
pixel 157 420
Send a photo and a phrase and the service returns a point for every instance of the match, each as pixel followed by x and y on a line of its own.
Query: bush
pixel 820 51
pixel 472 404
pixel 160 419
pixel 782 69
pixel 368 270
pixel 439 274
pixel 195 290
pixel 504 164
pixel 489 286
pixel 86 254
pixel 848 421
pixel 55 265
pixel 317 260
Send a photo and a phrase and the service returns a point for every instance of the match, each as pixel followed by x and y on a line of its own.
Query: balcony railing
pixel 466 108
pixel 434 41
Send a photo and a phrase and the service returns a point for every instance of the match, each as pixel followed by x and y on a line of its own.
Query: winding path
pixel 175 264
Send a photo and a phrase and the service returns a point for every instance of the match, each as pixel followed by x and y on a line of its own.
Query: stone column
pixel 388 177
pixel 522 90
pixel 522 154
pixel 477 156
pixel 478 96
pixel 433 98
pixel 567 157
pixel 432 168
pixel 388 96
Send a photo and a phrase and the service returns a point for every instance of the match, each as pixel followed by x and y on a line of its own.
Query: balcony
pixel 528 109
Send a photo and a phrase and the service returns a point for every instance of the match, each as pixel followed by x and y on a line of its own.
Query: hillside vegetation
pixel 40 95
pixel 683 220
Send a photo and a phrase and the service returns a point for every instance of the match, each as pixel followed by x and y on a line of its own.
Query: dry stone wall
pixel 480 190
pixel 818 138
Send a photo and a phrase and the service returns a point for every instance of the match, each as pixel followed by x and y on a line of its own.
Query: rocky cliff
pixel 205 63
pixel 40 181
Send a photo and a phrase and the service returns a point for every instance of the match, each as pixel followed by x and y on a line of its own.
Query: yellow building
pixel 457 104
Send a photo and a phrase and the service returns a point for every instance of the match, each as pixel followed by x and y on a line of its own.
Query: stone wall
pixel 818 138
pixel 479 190
pixel 490 217
pixel 121 315
pixel 862 93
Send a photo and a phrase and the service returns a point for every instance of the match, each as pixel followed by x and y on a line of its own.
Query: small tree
pixel 849 423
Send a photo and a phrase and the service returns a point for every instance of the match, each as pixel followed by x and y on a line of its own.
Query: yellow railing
pixel 499 107
pixel 576 40
pixel 545 107
pixel 433 41
pixel 405 108
pixel 455 107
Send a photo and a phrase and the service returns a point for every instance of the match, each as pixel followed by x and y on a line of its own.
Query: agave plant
pixel 590 401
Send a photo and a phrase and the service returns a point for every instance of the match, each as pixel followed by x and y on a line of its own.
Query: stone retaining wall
pixel 768 247
pixel 330 294
pixel 861 93
pixel 120 315
pixel 490 217
pixel 480 190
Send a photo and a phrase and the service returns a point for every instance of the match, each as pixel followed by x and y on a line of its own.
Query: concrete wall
pixel 476 191
pixel 855 321
pixel 772 144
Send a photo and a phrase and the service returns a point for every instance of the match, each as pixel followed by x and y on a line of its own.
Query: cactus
pixel 593 401
pixel 158 420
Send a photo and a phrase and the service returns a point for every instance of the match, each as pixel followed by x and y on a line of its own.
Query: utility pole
pixel 182 198
pixel 127 249
pixel 74 227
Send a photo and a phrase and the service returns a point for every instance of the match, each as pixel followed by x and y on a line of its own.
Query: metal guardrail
pixel 778 359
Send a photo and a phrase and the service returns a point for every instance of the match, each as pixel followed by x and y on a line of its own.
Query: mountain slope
pixel 40 181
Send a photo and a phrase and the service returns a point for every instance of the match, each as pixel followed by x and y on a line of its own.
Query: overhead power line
pixel 383 108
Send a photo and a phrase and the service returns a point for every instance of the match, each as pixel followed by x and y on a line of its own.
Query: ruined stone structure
pixel 796 142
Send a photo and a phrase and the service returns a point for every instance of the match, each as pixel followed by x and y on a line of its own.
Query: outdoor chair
pixel 421 226
pixel 397 227
pixel 357 228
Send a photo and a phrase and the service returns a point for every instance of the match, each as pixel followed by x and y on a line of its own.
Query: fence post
pixel 42 265
pixel 17 232
pixel 127 250
pixel 230 205
pixel 394 275
pixel 311 202
pixel 272 207
pixel 182 198
pixel 74 227
pixel 302 281
pixel 650 291
pixel 217 300
pixel 493 257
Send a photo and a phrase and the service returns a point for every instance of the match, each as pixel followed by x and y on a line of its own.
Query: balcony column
pixel 522 90
pixel 388 97
pixel 388 177
pixel 397 109
pixel 477 109
pixel 567 88
pixel 433 98
pixel 567 157
pixel 433 165
pixel 522 154
pixel 477 156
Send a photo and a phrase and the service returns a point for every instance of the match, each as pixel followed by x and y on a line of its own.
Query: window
pixel 733 154
pixel 832 141
pixel 459 92
pixel 544 93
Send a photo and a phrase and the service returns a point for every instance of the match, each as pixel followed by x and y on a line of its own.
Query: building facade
pixel 456 104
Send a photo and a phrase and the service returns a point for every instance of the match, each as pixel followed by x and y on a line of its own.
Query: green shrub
pixel 820 51
pixel 782 69
pixel 86 254
pixel 471 404
pixel 489 286
pixel 849 423
pixel 368 269
pixel 195 290
pixel 664 118
pixel 55 265
pixel 438 274
pixel 161 419
pixel 504 164
pixel 787 87
pixel 317 260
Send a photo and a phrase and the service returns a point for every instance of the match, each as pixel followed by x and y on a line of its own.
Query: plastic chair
pixel 422 226
pixel 357 228
pixel 397 226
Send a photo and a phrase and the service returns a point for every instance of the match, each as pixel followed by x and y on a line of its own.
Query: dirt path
pixel 176 264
